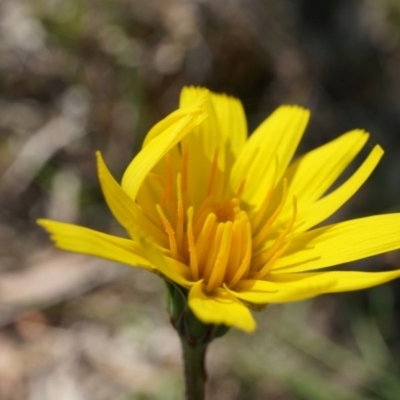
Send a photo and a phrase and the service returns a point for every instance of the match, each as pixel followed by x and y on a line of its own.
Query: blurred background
pixel 83 75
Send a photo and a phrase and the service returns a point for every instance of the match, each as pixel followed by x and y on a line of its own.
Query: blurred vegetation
pixel 82 75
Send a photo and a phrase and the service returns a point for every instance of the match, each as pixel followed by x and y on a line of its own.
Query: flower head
pixel 230 219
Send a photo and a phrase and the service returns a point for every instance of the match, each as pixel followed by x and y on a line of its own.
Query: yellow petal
pixel 229 114
pixel 324 208
pixel 82 240
pixel 208 133
pixel 121 205
pixel 213 144
pixel 283 288
pixel 266 155
pixel 170 120
pixel 220 308
pixel 340 243
pixel 334 281
pixel 191 95
pixel 201 147
pixel 175 271
pixel 171 269
pixel 172 131
pixel 231 121
pixel 313 174
pixel 254 291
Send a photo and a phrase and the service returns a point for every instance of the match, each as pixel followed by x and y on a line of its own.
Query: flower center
pixel 224 211
pixel 219 238
pixel 216 240
pixel 213 239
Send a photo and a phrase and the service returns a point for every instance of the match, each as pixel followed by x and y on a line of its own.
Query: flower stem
pixel 195 373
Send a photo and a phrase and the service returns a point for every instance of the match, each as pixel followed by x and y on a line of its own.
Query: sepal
pixel 195 332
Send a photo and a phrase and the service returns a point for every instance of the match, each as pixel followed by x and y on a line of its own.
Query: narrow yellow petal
pixel 340 243
pixel 192 95
pixel 214 143
pixel 171 120
pixel 82 240
pixel 325 207
pixel 173 131
pixel 121 205
pixel 231 120
pixel 313 174
pixel 207 133
pixel 334 281
pixel 254 291
pixel 220 308
pixel 283 288
pixel 301 289
pixel 169 268
pixel 175 271
pixel 272 144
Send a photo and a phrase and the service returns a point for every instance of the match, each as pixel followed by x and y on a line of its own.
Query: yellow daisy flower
pixel 230 219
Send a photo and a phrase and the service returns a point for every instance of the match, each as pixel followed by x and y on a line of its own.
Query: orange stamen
pixel 194 266
pixel 267 267
pixel 237 248
pixel 244 265
pixel 214 248
pixel 170 232
pixel 220 264
pixel 152 227
pixel 204 237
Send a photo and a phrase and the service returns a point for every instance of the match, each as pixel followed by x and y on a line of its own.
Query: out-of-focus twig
pixel 56 134
pixel 51 280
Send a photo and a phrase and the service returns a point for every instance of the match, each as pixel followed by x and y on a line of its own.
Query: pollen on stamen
pixel 170 232
pixel 194 266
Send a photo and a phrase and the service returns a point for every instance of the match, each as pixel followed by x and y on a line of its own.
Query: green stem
pixel 195 373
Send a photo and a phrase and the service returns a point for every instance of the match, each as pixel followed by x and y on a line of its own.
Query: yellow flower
pixel 232 219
